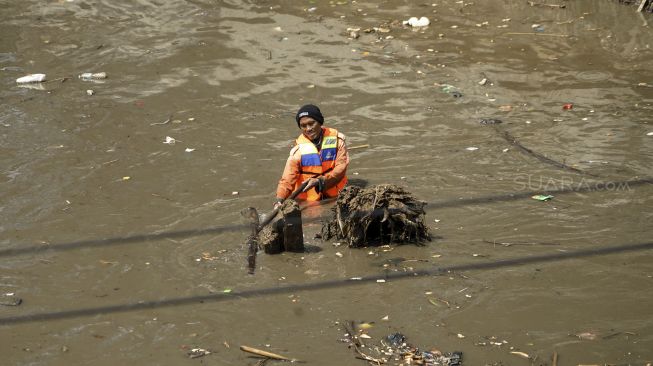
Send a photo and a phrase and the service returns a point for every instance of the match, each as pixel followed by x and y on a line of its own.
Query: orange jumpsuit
pixel 292 170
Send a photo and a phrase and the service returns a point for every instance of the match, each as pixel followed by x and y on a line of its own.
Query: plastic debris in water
pixel 472 148
pixel 198 352
pixel 364 325
pixel 93 75
pixel 542 197
pixel 169 140
pixel 414 22
pixel 567 106
pixel 490 121
pixel 589 336
pixel 188 149
pixel 31 78
pixel 396 339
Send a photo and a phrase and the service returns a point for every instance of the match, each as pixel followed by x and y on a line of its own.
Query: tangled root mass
pixel 377 215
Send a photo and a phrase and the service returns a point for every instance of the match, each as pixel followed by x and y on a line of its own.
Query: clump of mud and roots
pixel 377 215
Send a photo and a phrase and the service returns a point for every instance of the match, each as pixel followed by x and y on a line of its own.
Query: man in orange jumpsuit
pixel 319 157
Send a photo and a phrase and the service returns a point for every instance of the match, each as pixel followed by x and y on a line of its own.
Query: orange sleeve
pixel 290 175
pixel 342 161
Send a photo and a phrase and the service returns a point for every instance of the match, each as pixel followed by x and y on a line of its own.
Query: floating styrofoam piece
pixel 414 22
pixel 93 75
pixel 31 78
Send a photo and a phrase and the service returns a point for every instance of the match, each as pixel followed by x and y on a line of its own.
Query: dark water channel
pixel 90 178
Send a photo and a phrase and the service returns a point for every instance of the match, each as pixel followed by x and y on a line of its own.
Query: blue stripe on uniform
pixel 311 160
pixel 328 154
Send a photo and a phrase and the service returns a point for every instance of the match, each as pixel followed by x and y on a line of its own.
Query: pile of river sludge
pixel 377 215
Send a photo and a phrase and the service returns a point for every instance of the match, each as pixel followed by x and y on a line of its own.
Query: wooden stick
pixel 642 5
pixel 262 353
pixel 358 147
pixel 532 3
pixel 555 359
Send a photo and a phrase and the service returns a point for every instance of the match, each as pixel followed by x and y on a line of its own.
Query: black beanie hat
pixel 309 110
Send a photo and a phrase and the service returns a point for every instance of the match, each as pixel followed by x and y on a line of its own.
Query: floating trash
pixel 521 354
pixel 490 121
pixel 31 78
pixel 10 299
pixel 542 197
pixel 198 352
pixel 93 75
pixel 394 349
pixel 414 22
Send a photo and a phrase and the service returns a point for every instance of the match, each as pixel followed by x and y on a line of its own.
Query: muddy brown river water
pixel 126 250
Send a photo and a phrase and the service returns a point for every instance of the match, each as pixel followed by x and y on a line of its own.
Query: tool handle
pixel 273 213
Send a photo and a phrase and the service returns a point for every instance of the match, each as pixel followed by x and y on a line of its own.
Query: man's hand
pixel 277 204
pixel 312 182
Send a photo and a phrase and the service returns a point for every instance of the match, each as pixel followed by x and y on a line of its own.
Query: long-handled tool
pixel 252 215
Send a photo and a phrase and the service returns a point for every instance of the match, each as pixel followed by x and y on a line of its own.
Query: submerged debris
pixel 9 299
pixel 395 350
pixel 197 352
pixel 377 215
pixel 490 121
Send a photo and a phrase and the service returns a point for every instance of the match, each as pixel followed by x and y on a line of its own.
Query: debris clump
pixel 284 232
pixel 377 215
pixel 395 350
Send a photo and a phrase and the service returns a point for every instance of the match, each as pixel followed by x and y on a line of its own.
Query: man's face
pixel 310 127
